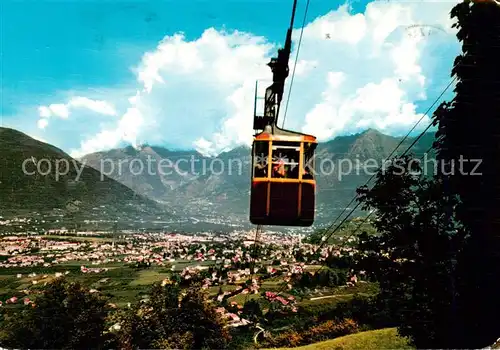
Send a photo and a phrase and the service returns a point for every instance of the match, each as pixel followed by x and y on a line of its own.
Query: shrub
pixel 323 331
pixel 252 310
pixel 288 339
pixel 176 341
pixel 330 329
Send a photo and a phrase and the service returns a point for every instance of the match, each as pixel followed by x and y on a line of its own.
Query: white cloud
pixel 63 111
pixel 101 107
pixel 335 25
pixel 354 71
pixel 44 111
pixel 59 110
pixel 104 139
pixel 303 67
pixel 42 123
pixel 127 129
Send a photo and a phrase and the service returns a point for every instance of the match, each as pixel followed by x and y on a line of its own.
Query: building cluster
pixel 229 257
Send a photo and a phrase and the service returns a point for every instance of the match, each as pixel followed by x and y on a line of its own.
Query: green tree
pixel 306 280
pixel 411 255
pixel 65 316
pixel 468 130
pixel 328 278
pixel 199 318
pixel 437 254
pixel 173 320
pixel 252 310
pixel 145 324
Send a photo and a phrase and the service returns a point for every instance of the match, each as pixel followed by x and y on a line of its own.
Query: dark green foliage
pixel 242 339
pixel 66 316
pixel 469 128
pixel 306 280
pixel 252 310
pixel 170 319
pixel 371 312
pixel 411 257
pixel 440 235
pixel 341 263
pixel 328 278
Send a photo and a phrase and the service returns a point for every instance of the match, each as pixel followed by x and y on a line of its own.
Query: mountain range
pixel 152 181
pixel 30 184
pixel 204 187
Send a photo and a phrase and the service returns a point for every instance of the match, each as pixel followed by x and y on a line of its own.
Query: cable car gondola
pixel 283 183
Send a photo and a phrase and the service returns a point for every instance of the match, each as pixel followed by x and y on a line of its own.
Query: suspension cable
pixel 295 64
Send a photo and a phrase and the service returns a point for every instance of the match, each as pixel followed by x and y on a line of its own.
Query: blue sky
pixel 86 59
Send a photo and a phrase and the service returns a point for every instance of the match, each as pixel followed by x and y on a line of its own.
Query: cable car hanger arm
pixel 280 69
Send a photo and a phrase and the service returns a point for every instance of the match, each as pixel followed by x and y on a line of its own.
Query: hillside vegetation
pixel 387 338
pixel 76 188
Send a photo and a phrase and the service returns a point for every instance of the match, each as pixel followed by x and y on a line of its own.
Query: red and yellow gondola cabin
pixel 283 185
pixel 283 182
